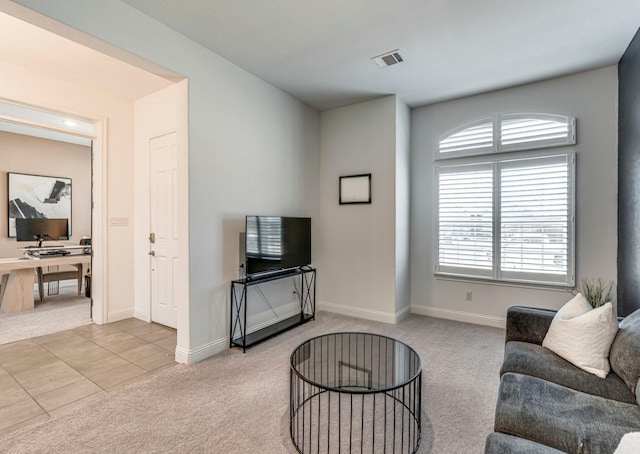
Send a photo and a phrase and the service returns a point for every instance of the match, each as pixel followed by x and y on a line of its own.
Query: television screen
pixel 275 243
pixel 39 229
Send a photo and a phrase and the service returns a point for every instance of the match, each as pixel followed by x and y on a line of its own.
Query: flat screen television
pixel 276 243
pixel 40 229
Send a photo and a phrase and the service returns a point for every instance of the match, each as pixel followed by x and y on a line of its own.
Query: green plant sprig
pixel 597 291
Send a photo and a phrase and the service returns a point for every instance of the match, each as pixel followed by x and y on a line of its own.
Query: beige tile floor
pixel 45 375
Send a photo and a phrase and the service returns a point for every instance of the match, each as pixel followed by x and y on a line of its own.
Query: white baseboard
pixel 403 313
pixel 117 316
pixel 210 349
pixel 367 314
pixel 142 315
pixel 467 317
pixel 192 356
pixel 265 318
pixel 258 326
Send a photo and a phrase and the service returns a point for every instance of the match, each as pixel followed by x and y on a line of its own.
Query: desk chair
pixel 54 275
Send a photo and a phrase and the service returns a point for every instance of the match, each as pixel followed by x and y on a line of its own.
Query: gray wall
pixel 628 181
pixel 358 252
pixel 592 98
pixel 403 206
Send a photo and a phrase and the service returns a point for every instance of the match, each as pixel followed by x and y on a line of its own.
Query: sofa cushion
pixel 560 417
pixel 583 335
pixel 534 360
pixel 625 350
pixel 498 443
pixel 528 324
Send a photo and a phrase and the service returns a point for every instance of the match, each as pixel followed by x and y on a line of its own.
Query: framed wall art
pixel 354 189
pixel 36 196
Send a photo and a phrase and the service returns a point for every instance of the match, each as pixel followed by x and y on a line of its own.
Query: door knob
pixel 152 237
pixel 152 253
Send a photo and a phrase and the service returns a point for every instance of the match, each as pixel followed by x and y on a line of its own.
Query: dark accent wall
pixel 629 179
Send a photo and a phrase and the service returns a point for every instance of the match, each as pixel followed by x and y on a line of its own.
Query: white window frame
pixel 497 145
pixel 496 273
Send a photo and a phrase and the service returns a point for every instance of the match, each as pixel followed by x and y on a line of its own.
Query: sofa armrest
pixel 528 324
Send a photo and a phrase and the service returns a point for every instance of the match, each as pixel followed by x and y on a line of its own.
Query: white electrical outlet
pixel 468 295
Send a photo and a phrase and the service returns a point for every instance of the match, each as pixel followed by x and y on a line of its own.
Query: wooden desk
pixel 18 279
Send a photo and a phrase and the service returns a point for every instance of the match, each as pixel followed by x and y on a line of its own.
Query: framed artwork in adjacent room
pixel 37 196
pixel 355 189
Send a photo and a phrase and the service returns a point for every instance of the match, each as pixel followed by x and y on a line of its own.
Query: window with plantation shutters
pixel 507 217
pixel 508 220
pixel 507 132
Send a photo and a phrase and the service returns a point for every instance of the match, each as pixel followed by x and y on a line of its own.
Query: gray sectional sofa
pixel 548 405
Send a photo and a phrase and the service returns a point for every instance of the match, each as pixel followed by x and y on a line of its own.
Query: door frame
pixel 99 152
pixel 99 239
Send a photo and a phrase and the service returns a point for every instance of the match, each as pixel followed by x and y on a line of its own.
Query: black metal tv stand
pixel 241 336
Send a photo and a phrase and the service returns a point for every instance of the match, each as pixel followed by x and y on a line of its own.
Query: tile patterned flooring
pixel 46 375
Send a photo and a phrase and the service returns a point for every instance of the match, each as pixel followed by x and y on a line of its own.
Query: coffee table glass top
pixel 356 362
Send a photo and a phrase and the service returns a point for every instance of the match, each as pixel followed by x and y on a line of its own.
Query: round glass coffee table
pixel 355 392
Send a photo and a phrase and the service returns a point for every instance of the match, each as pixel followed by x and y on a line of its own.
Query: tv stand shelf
pixel 241 335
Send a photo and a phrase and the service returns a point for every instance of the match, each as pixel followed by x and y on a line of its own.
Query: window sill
pixel 500 283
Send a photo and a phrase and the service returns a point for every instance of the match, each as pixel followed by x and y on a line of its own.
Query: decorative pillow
pixel 583 335
pixel 625 351
pixel 629 444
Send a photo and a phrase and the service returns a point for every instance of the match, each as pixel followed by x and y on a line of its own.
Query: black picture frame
pixel 37 196
pixel 354 189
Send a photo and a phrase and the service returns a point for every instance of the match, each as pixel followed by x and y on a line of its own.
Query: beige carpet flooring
pixel 57 313
pixel 238 403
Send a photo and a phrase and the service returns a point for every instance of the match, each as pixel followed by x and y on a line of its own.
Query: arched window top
pixel 476 136
pixel 508 132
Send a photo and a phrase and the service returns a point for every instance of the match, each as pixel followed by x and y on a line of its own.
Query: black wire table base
pixel 355 393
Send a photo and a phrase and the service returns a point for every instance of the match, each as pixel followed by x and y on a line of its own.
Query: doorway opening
pixel 48 172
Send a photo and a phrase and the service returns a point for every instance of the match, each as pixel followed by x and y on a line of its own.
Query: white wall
pixel 357 250
pixel 252 149
pixel 36 156
pixel 592 98
pixel 403 206
pixel 160 113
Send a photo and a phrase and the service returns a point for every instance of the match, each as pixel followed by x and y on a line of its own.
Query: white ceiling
pixel 320 51
pixel 26 46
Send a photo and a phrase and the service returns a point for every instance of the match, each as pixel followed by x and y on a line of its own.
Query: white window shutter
pixel 536 215
pixel 508 132
pixel 472 138
pixel 465 219
pixel 530 131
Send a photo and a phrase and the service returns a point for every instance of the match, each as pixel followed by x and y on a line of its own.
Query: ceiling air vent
pixel 388 59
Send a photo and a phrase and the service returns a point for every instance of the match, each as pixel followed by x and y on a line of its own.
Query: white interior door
pixel 163 152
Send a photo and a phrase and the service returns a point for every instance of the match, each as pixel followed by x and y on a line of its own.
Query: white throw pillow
pixel 629 444
pixel 583 335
